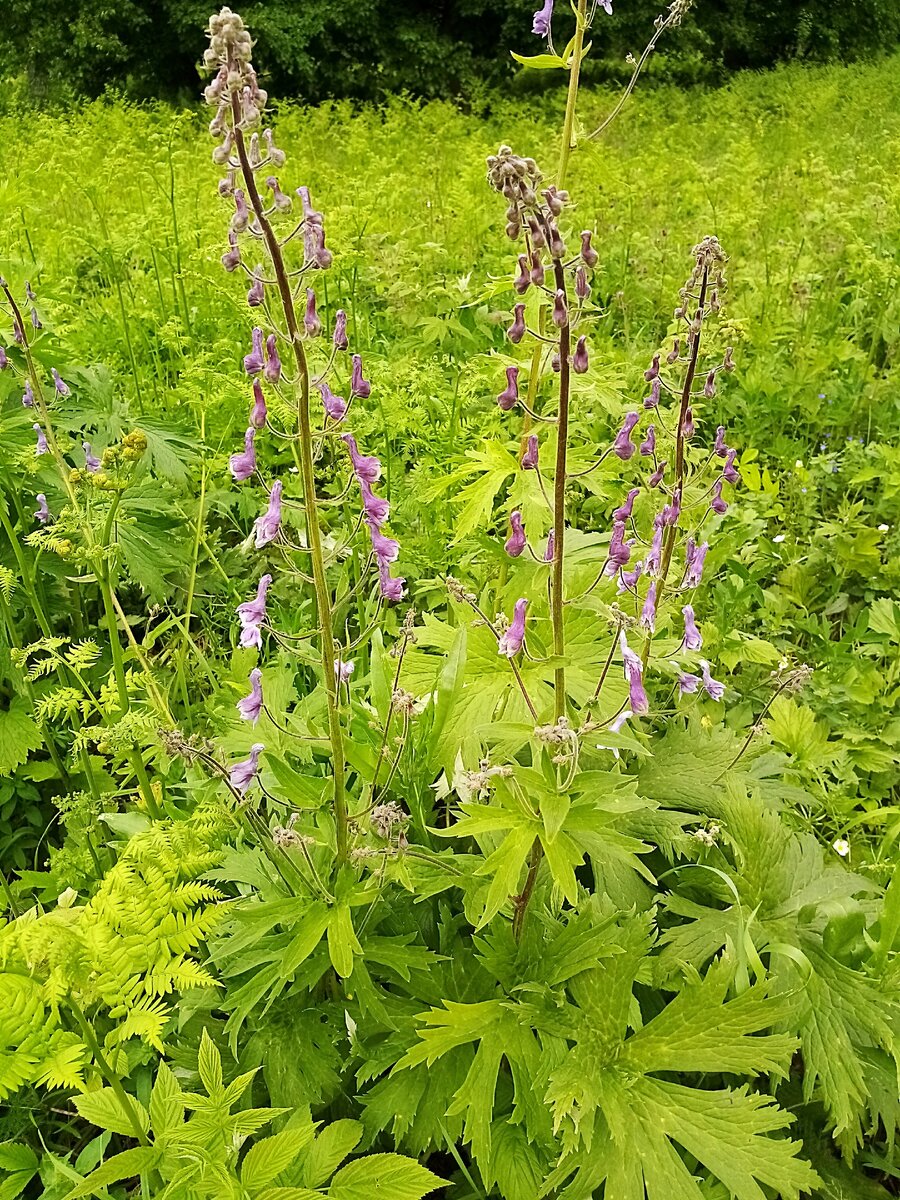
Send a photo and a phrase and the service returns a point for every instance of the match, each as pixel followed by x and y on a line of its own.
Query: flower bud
pixel 35 319
pixel 358 386
pixel 538 240
pixel 4 361
pixel 648 612
pixel 657 477
pixel 276 156
pixel 529 460
pixel 523 279
pixel 709 388
pixel 231 259
pixel 272 369
pixel 582 287
pixel 257 292
pixel 560 312
pixel 623 447
pixel 282 202
pixel 509 397
pixel 672 356
pixel 687 425
pixel 516 542
pixel 580 357
pixel 589 255
pixel 28 395
pixel 728 471
pixel 43 512
pixel 258 410
pixel 61 386
pixel 648 446
pixel 719 446
pixel 693 639
pixel 339 337
pixel 550 552
pixel 728 362
pixel 653 370
pixel 241 218
pixel 335 406
pixel 652 401
pixel 253 362
pixel 537 269
pixel 311 321
pixel 516 331
pixel 717 504
pixel 41 446
pixel 511 640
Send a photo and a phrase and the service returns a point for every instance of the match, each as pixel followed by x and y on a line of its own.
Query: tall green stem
pixel 313 531
pixel 557 598
pixel 568 142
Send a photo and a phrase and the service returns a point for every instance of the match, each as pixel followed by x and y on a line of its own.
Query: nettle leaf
pixel 104 1109
pixel 386 1176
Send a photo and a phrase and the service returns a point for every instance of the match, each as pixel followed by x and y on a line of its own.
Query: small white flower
pixel 799 463
pixel 779 538
pixel 841 847
pixel 883 528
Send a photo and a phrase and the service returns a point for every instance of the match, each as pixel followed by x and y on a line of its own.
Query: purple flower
pixel 654 558
pixel 359 386
pixel 28 395
pixel 91 461
pixel 231 259
pixel 252 613
pixel 560 312
pixel 311 321
pixel 243 773
pixel 391 585
pixel 41 447
pixel 542 19
pixel 671 512
pixel 688 683
pixel 634 672
pixel 376 508
pixel 268 525
pixel 582 287
pixel 272 369
pixel 251 706
pixel 282 202
pixel 695 559
pixel 728 471
pixel 18 331
pixel 276 156
pixel 536 274
pixel 693 639
pixel 366 467
pixel 61 386
pixel 719 446
pixel 387 550
pixel 315 249
pixel 717 504
pixel 652 401
pixel 311 216
pixel 257 292
pixel 648 445
pixel 714 689
pixel 334 406
pixel 657 477
pixel 43 512
pixel 258 410
pixel 623 447
pixel 589 255
pixel 339 337
pixel 35 319
pixel 606 5
pixel 550 552
pixel 523 279
pixel 648 612
pixel 509 397
pixel 516 331
pixel 619 549
pixel 512 638
pixel 343 671
pixel 709 388
pixel 687 425
pixel 580 357
pixel 4 361
pixel 241 217
pixel 624 513
pixel 627 580
pixel 253 362
pixel 29 291
pixel 243 464
pixel 653 370
pixel 516 542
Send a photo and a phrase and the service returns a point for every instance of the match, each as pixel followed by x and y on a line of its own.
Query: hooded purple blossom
pixel 358 386
pixel 391 585
pixel 652 401
pixel 509 397
pixel 377 508
pixel 716 503
pixel 243 773
pixel 729 472
pixel 366 467
pixel 536 273
pixel 243 464
pixel 714 689
pixel 606 5
pixel 709 388
pixel 695 558
pixel 656 478
pixel 589 255
pixel 35 319
pixel 282 202
pixel 634 675
pixel 693 639
pixel 654 558
pixel 550 552
pixel 241 217
pixel 28 395
pixel 386 549
pixel 687 425
pixel 653 370
pixel 580 357
pixel 43 512
pixel 252 613
pixel 516 331
pixel 619 549
pixel 253 362
pixel 311 321
pixel 624 512
pixel 627 580
pixel 688 683
pixel 266 527
pixel 339 337
pixel 648 445
pixel 542 18
pixel 41 447
pixel 522 281
pixel 582 287
pixel 231 259
pixel 335 406
pixel 672 511
pixel 516 542
pixel 529 460
pixel 623 447
pixel 257 292
pixel 343 671
pixel 560 312
pixel 251 706
pixel 4 361
pixel 91 461
pixel 61 386
pixel 512 638
pixel 272 370
pixel 648 612
pixel 258 410
pixel 720 448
